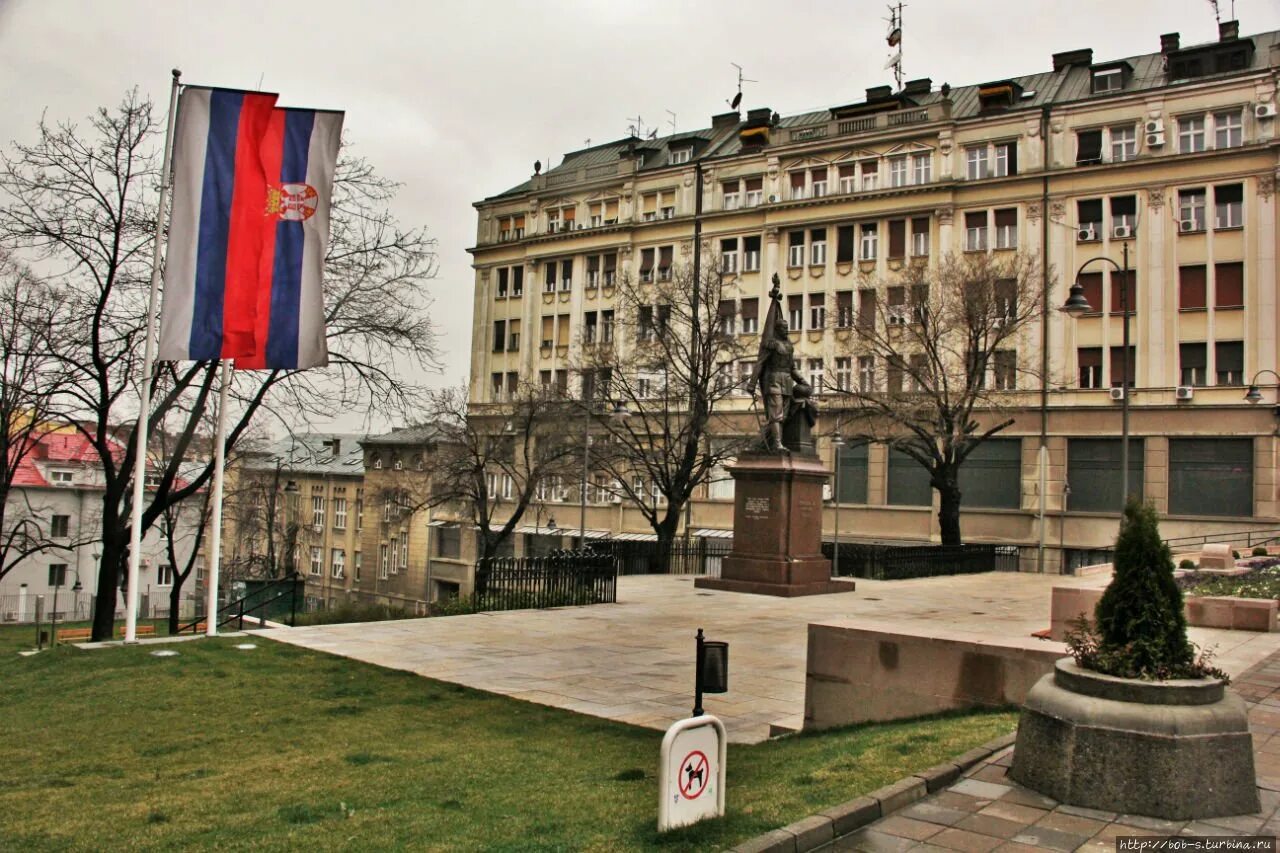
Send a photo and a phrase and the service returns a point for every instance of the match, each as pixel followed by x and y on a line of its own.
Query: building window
pixel 1094 472
pixel 818 182
pixel 908 481
pixel 1228 206
pixel 338 563
pixel 866 373
pixel 57 574
pixel 922 167
pixel 976 166
pixel 866 309
pixel 844 373
pixel 975 231
pixel 848 175
pixel 566 275
pixel 1191 288
pixel 1005 370
pixel 499 335
pixel 340 513
pixel 1211 476
pixel 750 316
pixel 795 312
pixel 750 254
pixel 818 247
pixel 664 262
pixel 731 195
pixel 1124 292
pixel 1228 361
pixel 797 185
pixel 1089 361
pixel 897 238
pixel 991 476
pixel 360 512
pixel 1228 132
pixel 1006 159
pixel 1191 207
pixel 1119 367
pixel 1192 364
pixel 870 175
pixel 394 556
pixel 795 249
pixel 404 546
pixel 356 562
pixel 817 311
pixel 681 155
pixel 383 561
pixel 897 171
pixel 1124 216
pixel 853 474
pixel 549 276
pixel 870 237
pixel 844 244
pixel 317 560
pixel 449 541
pixel 729 256
pixel 1124 143
pixel 1088 147
pixel 920 237
pixel 60 526
pixel 164 575
pixel 816 375
pixel 61 477
pixel 844 309
pixel 317 511
pixel 1228 285
pixel 503 277
pixel 1007 228
pixel 1089 219
pixel 646 264
pixel 753 191
pixel 1107 80
pixel 1190 134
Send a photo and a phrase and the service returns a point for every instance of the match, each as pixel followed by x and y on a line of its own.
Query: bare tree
pixel 671 361
pixel 81 200
pixel 493 464
pixel 31 385
pixel 939 360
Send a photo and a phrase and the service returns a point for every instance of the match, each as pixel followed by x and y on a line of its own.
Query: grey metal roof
pixel 1070 84
pixel 312 453
pixel 410 435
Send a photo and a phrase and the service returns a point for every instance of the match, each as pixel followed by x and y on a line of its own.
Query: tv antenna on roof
pixel 737 99
pixel 894 39
pixel 636 128
pixel 672 121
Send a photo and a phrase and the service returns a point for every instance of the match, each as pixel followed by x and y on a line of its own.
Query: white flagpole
pixel 215 523
pixel 148 363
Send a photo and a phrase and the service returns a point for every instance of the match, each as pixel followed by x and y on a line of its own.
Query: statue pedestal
pixel 777 529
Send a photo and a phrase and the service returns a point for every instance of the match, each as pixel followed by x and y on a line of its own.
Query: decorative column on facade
pixel 946 220
pixel 1159 371
pixel 1261 245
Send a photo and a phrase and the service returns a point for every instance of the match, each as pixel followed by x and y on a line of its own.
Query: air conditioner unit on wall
pixel 1117 393
pixel 773 199
pixel 1186 225
pixel 1264 110
pixel 1085 235
pixel 1184 392
pixel 1155 140
pixel 1122 232
pixel 1154 125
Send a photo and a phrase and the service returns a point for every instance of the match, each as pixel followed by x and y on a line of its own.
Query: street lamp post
pixel 838 443
pixel 620 413
pixel 1076 305
pixel 1253 395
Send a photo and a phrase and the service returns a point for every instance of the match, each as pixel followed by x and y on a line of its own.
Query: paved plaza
pixel 633 661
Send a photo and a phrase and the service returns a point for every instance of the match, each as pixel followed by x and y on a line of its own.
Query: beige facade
pixel 1072 164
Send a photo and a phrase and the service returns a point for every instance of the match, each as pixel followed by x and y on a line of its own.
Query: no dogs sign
pixel 691 772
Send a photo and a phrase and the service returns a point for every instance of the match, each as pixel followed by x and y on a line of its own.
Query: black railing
pixel 270 599
pixel 1245 538
pixel 678 557
pixel 898 562
pixel 559 579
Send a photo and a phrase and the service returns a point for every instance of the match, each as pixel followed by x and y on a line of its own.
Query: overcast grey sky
pixel 456 100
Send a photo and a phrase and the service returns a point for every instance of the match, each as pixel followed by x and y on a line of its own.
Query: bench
pixel 73 635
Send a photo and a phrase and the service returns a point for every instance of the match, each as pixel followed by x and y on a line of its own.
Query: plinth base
pixel 782 590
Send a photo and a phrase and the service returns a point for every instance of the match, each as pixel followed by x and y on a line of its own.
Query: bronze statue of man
pixel 782 387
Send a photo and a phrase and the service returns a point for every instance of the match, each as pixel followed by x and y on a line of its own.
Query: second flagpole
pixel 148 364
pixel 215 521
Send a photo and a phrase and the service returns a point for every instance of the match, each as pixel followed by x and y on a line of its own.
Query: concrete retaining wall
pixel 1241 614
pixel 857 674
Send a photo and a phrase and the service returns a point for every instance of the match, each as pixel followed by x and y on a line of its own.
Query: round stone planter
pixel 1178 750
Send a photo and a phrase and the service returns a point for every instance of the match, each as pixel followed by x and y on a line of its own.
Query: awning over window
pixel 713 533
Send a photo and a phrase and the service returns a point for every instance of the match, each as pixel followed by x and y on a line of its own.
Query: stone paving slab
pixel 633 661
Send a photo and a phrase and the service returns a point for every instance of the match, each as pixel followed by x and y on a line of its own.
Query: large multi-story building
pixel 1173 154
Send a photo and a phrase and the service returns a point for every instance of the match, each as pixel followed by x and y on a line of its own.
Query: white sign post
pixel 691 772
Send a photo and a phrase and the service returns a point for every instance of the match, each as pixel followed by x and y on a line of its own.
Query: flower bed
pixel 1262 581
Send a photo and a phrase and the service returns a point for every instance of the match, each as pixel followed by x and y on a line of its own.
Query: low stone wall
pixel 858 674
pixel 1218 611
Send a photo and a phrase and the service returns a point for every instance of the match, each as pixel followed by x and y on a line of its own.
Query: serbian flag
pixel 216 235
pixel 300 156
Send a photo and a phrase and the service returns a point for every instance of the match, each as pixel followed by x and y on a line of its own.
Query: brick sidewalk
pixel 985 811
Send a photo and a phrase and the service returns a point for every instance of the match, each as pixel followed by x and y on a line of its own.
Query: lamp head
pixel 620 411
pixel 1253 395
pixel 1076 304
pixel 837 440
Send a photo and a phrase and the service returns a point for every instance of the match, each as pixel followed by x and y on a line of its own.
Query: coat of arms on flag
pixel 249 230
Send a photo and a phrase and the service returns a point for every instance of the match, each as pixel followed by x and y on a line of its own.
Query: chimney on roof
pixel 1068 58
pixel 879 93
pixel 923 86
pixel 1228 30
pixel 1169 42
pixel 725 120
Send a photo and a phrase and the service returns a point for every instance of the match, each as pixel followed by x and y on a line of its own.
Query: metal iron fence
pixel 898 562
pixel 678 557
pixel 558 579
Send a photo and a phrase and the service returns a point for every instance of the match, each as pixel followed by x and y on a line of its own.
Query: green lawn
pixel 281 748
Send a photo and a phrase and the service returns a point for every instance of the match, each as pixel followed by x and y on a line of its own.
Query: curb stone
pixel 819 830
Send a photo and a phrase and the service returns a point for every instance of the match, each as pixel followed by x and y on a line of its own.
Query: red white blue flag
pixel 249 231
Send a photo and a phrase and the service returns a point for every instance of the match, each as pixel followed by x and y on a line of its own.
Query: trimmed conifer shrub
pixel 1141 628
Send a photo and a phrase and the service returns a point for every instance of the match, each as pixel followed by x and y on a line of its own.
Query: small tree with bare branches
pixel 945 345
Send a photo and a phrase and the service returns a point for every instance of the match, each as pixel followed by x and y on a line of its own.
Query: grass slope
pixel 281 748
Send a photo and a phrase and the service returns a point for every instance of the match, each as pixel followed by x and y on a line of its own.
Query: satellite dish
pixel 894 37
pixel 894 60
pixel 537 167
pixel 653 134
pixel 737 99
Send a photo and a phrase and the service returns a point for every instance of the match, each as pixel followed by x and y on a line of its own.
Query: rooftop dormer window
pixel 1107 80
pixel 681 155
